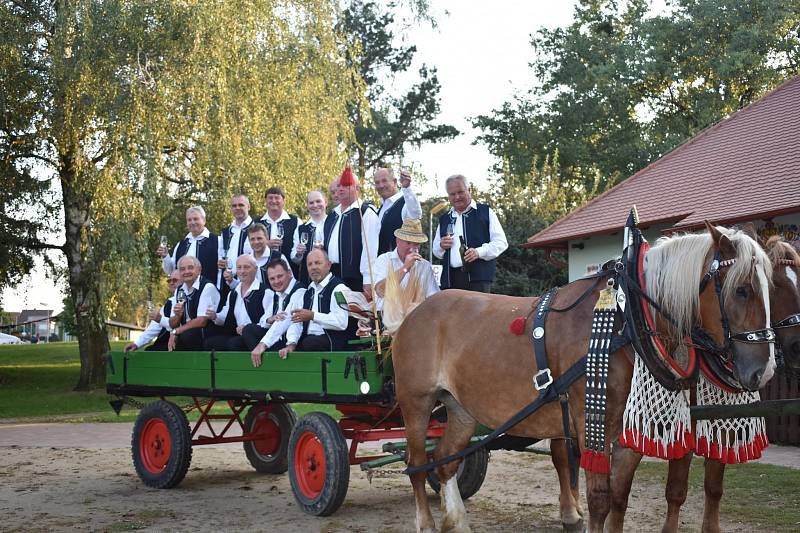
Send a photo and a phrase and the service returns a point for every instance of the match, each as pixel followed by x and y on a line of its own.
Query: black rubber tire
pixel 159 424
pixel 470 475
pixel 320 433
pixel 282 416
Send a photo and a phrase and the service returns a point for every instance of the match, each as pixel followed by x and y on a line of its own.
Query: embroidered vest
pixel 192 301
pixel 227 237
pixel 350 243
pixel 253 303
pixel 324 306
pixel 476 232
pixel 302 270
pixel 392 219
pixel 206 253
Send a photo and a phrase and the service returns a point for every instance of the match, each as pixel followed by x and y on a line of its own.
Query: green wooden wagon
pixel 256 403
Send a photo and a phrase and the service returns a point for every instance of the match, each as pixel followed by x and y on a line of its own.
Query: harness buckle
pixel 542 379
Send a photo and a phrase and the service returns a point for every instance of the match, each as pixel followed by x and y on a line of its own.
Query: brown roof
pixel 744 167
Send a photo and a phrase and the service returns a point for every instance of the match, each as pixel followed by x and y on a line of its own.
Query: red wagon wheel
pixel 161 445
pixel 272 424
pixel 320 467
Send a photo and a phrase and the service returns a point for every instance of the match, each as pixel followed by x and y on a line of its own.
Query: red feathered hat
pixel 347 179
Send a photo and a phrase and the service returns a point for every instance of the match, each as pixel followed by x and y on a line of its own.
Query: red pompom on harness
pixel 517 326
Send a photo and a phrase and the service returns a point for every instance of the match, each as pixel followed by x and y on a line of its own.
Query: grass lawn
pixel 36 381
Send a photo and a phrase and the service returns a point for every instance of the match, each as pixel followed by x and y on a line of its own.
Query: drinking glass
pixel 303 238
pixel 451 229
pixel 317 243
pixel 279 232
pixel 164 241
pixel 181 296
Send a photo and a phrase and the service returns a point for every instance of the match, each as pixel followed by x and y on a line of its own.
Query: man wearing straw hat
pixel 406 261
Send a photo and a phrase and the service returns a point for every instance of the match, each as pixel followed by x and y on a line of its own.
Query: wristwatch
pixel 174 332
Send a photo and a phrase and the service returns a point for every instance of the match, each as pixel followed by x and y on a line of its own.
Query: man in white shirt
pixel 471 227
pixel 349 248
pixel 244 306
pixel 319 324
pixel 233 240
pixel 259 239
pixel 406 261
pixel 397 205
pixel 192 299
pixel 280 224
pixel 199 243
pixel 286 292
pixel 310 234
pixel 158 328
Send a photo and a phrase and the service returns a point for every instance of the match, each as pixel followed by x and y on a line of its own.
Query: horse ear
pixel 749 229
pixel 715 233
pixel 721 241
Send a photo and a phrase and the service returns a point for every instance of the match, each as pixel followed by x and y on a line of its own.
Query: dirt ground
pixel 53 488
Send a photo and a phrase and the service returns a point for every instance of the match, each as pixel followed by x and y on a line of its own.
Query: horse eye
pixel 742 291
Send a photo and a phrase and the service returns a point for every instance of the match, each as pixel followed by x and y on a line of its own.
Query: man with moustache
pixel 188 321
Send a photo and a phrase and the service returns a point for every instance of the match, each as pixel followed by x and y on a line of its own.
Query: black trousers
pixel 252 335
pixel 225 343
pixel 460 280
pixel 160 344
pixel 191 340
pixel 315 343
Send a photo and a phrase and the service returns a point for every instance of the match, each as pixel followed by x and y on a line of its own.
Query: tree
pixel 125 108
pixel 389 123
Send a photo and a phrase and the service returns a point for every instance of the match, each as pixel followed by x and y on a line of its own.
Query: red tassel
pixel 596 462
pixel 347 179
pixel 517 326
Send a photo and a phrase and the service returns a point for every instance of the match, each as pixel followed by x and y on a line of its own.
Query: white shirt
pixel 260 262
pixel 280 327
pixel 153 329
pixel 208 298
pixel 272 225
pixel 369 238
pixel 319 235
pixel 411 209
pixel 169 262
pixel 335 320
pixel 281 297
pixel 233 247
pixel 239 308
pixel 421 269
pixel 491 250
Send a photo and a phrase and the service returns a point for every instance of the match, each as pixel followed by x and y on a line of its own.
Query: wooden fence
pixel 784 429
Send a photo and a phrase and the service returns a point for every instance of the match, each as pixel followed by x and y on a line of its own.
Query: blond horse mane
pixel 399 301
pixel 674 267
pixel 777 248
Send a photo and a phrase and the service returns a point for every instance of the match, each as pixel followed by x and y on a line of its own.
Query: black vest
pixel 206 254
pixel 476 232
pixel 324 306
pixel 167 312
pixel 288 225
pixel 276 298
pixel 392 220
pixel 350 243
pixel 253 302
pixel 302 269
pixel 192 301
pixel 227 237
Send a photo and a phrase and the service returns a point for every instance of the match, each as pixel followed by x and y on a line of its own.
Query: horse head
pixel 735 305
pixel 785 298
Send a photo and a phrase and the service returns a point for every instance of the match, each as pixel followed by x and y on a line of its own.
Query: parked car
pixel 11 339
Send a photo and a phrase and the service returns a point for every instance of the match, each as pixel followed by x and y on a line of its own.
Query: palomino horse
pixel 455 348
pixel 784 305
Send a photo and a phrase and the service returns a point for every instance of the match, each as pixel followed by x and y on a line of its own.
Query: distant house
pixel 36 323
pixel 744 168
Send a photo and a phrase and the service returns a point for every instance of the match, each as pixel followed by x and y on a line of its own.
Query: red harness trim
pixel 648 316
pixel 710 376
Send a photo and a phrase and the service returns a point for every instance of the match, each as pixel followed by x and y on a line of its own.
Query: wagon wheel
pixel 273 423
pixel 161 445
pixel 319 469
pixel 470 475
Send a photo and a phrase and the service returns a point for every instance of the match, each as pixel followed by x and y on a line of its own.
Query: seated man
pixel 286 290
pixel 158 328
pixel 406 262
pixel 188 328
pixel 320 324
pixel 244 307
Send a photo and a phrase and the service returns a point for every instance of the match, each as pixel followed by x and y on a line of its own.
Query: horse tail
pixel 399 301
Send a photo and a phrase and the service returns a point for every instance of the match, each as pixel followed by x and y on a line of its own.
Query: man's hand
pixel 227 275
pixel 222 263
pixel 132 347
pixel 177 309
pixel 154 315
pixel 447 242
pixel 162 252
pixel 211 314
pixel 239 330
pixel 275 244
pixel 255 355
pixel 471 255
pixel 173 341
pixel 411 258
pixel 367 290
pixel 302 315
pixel 405 179
pixel 284 352
pixel 301 249
pixel 277 317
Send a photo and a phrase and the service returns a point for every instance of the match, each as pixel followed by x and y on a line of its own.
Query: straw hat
pixel 411 231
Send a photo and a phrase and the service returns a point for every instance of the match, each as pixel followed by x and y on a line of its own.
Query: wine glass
pixel 181 297
pixel 451 229
pixel 164 241
pixel 317 242
pixel 279 231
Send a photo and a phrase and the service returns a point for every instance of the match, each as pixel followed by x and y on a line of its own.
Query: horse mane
pixel 777 248
pixel 399 301
pixel 675 265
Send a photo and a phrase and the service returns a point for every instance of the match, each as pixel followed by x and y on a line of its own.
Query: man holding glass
pixel 310 234
pixel 199 243
pixel 193 298
pixel 397 205
pixel 468 241
pixel 158 328
pixel 281 225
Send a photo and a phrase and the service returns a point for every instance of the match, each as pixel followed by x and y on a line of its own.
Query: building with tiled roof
pixel 744 168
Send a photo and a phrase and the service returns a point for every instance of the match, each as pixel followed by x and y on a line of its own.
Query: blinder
pixel 788 322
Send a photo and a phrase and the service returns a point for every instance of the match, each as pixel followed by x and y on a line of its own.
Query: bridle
pixel 794 319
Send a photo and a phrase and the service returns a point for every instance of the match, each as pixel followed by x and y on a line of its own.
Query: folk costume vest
pixel 324 306
pixel 307 229
pixel 475 224
pixel 350 243
pixel 276 299
pixel 253 303
pixel 193 300
pixel 392 219
pixel 288 225
pixel 227 237
pixel 206 253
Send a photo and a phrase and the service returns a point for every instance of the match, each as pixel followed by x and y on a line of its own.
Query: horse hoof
pixel 576 527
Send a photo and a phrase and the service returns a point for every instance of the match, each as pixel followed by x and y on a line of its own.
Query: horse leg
pixel 569 498
pixel 675 491
pixel 624 463
pixel 460 429
pixel 416 414
pixel 713 487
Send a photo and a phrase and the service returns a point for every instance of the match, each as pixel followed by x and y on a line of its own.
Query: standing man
pixel 244 306
pixel 196 296
pixel 158 328
pixel 397 205
pixel 469 240
pixel 319 324
pixel 233 241
pixel 309 233
pixel 349 249
pixel 199 243
pixel 406 262
pixel 286 291
pixel 281 225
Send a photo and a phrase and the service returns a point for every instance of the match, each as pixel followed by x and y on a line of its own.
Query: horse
pixel 454 349
pixel 785 309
